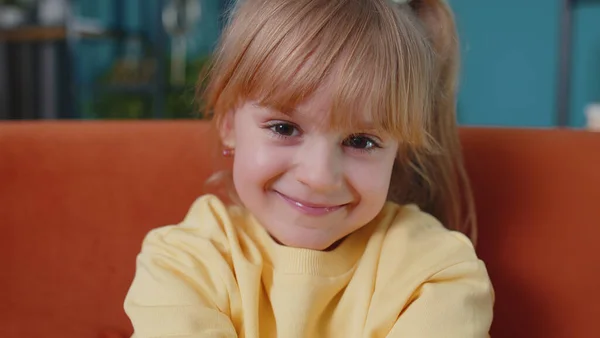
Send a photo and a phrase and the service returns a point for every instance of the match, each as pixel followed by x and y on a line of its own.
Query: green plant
pixel 121 106
pixel 180 101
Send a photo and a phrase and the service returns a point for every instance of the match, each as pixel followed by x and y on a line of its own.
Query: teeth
pixel 300 205
pixel 305 206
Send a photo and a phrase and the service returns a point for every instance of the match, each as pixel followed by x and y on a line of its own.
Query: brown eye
pixel 284 129
pixel 360 142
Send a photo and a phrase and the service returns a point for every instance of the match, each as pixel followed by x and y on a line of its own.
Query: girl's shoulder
pixel 207 220
pixel 417 239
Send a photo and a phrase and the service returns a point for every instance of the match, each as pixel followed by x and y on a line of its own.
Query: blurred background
pixel 527 63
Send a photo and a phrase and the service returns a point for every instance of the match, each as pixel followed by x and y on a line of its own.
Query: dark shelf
pixel 136 88
pixel 60 45
pixel 57 33
pixel 33 33
pixel 125 88
pixel 181 88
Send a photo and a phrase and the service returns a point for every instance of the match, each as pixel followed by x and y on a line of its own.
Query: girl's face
pixel 307 184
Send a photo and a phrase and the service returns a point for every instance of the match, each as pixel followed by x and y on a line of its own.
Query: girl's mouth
pixel 308 208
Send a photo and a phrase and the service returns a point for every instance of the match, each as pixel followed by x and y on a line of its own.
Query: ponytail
pixel 437 181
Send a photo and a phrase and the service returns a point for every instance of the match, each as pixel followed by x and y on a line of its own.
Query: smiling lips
pixel 309 208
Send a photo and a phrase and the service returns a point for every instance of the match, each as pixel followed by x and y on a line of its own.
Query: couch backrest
pixel 538 204
pixel 76 199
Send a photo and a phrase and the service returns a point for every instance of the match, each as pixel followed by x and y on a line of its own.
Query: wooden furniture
pixel 27 34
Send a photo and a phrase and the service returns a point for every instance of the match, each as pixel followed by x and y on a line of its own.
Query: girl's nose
pixel 319 165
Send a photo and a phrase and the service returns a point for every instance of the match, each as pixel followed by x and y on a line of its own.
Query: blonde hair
pixel 398 62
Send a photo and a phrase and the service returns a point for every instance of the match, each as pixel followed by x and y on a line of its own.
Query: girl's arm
pixel 455 303
pixel 180 288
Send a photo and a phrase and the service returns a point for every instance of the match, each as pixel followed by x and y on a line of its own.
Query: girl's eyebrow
pixel 273 111
pixel 366 127
pixel 277 112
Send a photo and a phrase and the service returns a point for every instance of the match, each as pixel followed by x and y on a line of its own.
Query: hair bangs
pixel 374 58
pixel 381 81
pixel 303 51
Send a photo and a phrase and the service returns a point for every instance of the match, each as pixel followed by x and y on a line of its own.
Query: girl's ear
pixel 227 130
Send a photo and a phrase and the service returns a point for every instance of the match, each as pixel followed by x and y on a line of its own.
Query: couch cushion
pixel 538 203
pixel 76 199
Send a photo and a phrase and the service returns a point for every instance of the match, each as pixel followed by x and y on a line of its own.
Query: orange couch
pixel 76 198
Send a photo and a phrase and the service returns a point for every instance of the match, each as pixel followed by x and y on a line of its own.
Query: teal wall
pixel 509 49
pixel 510 61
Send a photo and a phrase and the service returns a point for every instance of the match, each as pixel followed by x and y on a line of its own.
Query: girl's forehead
pixel 320 109
pixel 331 104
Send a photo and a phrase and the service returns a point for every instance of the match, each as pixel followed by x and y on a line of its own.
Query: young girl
pixel 340 118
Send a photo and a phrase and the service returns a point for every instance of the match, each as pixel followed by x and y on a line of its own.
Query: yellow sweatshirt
pixel 219 274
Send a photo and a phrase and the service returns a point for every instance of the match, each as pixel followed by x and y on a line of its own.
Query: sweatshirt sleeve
pixel 180 288
pixel 457 302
